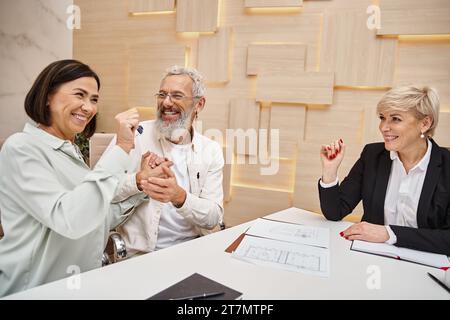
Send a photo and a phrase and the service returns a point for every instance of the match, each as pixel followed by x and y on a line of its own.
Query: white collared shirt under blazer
pixel 203 207
pixel 404 190
pixel 56 212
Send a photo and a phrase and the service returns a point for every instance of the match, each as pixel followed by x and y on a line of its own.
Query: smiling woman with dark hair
pixel 56 212
pixel 404 183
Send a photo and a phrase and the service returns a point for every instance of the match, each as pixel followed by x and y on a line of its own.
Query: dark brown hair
pixel 48 82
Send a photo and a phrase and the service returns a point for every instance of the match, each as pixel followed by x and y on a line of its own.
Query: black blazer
pixel 368 180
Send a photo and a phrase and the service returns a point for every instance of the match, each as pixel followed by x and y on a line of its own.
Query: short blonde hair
pixel 422 100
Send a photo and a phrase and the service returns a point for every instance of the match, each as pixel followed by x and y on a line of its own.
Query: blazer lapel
pixel 429 185
pixel 379 192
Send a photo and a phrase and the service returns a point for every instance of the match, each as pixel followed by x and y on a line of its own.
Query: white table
pixel 143 276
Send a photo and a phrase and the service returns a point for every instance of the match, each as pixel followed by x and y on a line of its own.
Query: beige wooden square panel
pixel 139 6
pixel 111 68
pixel 214 121
pixel 214 55
pixel 276 59
pixel 309 171
pixel 414 17
pixel 307 88
pixel 354 53
pixel 279 28
pixel 244 114
pixel 290 121
pixel 425 62
pixel 215 114
pixel 145 75
pixel 249 175
pixel 272 3
pixel 197 15
pixel 243 207
pixel 325 125
pixel 442 133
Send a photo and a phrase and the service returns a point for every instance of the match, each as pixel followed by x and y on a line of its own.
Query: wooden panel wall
pixel 244 115
pixel 354 52
pixel 415 17
pixel 151 6
pixel 214 56
pixel 276 58
pixel 272 3
pixel 143 77
pixel 306 87
pixel 315 73
pixel 197 15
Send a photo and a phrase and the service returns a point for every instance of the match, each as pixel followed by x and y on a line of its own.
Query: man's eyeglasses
pixel 176 97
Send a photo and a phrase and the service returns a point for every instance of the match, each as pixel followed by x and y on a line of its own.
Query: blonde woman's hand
pixel 331 156
pixel 367 232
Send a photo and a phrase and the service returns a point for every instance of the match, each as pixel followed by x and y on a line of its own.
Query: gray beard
pixel 173 130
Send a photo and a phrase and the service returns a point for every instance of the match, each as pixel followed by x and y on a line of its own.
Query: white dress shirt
pixel 173 227
pixel 403 192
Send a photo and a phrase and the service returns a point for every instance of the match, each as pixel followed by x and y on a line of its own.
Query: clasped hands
pixel 157 180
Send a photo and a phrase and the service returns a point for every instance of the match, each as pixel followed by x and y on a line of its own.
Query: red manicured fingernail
pixel 341 234
pixel 341 141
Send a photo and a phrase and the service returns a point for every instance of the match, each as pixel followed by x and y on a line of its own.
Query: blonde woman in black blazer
pixel 404 183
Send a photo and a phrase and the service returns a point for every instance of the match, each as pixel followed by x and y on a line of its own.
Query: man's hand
pixel 165 189
pixel 151 166
pixel 366 231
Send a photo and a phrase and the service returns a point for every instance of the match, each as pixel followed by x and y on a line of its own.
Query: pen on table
pixel 200 296
pixel 439 282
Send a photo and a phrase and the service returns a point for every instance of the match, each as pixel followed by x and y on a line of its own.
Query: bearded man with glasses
pixel 183 174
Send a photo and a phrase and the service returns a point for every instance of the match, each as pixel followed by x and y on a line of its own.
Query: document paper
pixel 284 255
pixel 290 232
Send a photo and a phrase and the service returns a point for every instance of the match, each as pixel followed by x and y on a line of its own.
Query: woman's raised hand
pixel 127 123
pixel 331 156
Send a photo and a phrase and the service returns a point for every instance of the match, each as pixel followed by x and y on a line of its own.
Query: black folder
pixel 197 287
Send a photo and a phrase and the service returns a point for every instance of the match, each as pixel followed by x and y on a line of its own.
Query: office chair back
pixel 97 145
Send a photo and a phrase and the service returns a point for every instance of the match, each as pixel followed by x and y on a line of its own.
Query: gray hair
pixel 198 88
pixel 422 100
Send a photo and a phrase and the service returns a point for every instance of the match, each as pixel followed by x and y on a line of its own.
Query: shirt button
pixel 126 171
